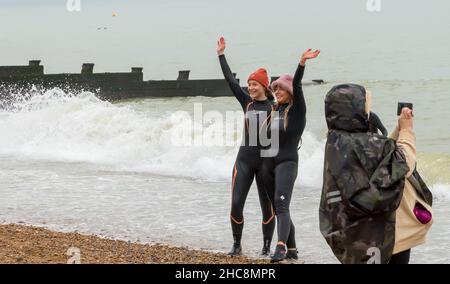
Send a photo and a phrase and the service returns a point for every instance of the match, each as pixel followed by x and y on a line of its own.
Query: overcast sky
pixel 406 39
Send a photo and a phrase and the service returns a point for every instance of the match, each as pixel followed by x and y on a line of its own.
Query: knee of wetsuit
pixel 281 206
pixel 236 207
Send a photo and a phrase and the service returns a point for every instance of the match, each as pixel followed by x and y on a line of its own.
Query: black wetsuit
pixel 248 162
pixel 280 171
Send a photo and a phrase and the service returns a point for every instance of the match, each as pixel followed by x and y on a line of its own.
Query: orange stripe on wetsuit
pixel 271 218
pixel 247 126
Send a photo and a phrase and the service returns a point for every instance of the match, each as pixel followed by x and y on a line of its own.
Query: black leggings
pixel 401 257
pixel 243 175
pixel 282 179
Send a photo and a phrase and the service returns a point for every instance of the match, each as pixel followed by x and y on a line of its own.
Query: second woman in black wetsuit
pixel 280 171
pixel 258 106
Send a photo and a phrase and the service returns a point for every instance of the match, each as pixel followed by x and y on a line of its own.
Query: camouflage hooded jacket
pixel 363 181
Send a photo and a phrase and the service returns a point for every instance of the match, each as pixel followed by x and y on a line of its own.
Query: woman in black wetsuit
pixel 280 171
pixel 257 104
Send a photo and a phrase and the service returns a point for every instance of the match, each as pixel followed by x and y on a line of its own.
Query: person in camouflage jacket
pixel 363 181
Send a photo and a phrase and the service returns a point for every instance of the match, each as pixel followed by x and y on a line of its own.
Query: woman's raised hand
pixel 309 54
pixel 221 46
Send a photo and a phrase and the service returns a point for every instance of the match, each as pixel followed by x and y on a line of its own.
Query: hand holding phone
pixel 402 105
pixel 405 120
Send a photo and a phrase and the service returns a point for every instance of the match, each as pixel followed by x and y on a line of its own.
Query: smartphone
pixel 402 105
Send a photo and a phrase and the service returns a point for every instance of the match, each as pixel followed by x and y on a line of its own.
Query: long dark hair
pixel 269 94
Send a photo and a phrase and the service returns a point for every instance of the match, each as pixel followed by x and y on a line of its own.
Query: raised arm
pixel 238 92
pixel 406 138
pixel 299 103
